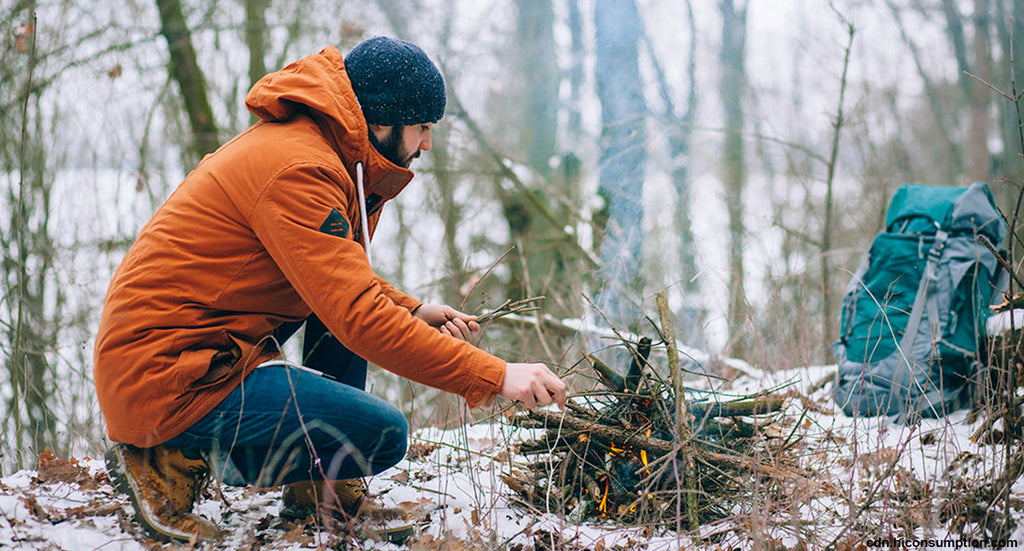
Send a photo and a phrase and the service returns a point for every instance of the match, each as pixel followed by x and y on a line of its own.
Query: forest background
pixel 738 154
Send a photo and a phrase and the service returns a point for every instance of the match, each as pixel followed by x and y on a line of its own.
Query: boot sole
pixel 125 484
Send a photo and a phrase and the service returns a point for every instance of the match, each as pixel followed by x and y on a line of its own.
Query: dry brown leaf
pixel 35 508
pixel 418 510
pixel 419 450
pixel 430 543
pixel 54 469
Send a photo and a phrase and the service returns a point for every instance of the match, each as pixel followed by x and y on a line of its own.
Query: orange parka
pixel 264 231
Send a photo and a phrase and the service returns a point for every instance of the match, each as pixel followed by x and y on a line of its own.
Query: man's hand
pixel 532 385
pixel 449 321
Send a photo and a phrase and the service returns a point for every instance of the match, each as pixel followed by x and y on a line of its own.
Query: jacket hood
pixel 318 85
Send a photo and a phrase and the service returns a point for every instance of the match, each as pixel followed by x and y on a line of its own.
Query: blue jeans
pixel 284 423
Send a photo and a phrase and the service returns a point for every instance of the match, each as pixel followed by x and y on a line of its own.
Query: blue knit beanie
pixel 395 82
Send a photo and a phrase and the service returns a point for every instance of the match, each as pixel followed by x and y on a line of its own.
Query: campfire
pixel 619 452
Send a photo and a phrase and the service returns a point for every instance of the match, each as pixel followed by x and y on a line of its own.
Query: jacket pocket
pixel 208 363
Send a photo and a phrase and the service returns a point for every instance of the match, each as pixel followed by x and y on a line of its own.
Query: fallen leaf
pixel 418 510
pixel 35 508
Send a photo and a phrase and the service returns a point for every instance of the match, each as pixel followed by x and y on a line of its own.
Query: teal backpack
pixel 914 314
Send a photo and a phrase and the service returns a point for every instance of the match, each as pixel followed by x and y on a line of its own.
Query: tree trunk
pixel 574 125
pixel 255 37
pixel 451 216
pixel 981 158
pixel 977 97
pixel 184 69
pixel 731 86
pixel 535 97
pixel 933 93
pixel 255 40
pixel 623 156
pixel 538 75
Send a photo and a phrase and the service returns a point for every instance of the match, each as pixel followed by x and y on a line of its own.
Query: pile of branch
pixel 619 453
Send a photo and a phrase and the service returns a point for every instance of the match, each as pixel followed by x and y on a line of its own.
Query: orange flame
pixel 643 453
pixel 603 507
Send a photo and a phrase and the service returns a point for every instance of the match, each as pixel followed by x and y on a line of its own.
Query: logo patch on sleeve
pixel 335 224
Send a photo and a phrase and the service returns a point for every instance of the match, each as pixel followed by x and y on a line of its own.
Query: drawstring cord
pixel 364 230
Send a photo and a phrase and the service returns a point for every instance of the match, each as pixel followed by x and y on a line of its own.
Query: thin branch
pixel 486 273
pixel 509 307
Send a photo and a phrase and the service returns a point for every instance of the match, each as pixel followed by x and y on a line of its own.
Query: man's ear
pixel 379 131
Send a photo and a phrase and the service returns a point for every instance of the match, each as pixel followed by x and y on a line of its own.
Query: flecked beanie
pixel 395 82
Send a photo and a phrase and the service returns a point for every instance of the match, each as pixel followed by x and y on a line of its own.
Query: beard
pixel 391 147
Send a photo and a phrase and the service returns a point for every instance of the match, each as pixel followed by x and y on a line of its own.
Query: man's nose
pixel 425 142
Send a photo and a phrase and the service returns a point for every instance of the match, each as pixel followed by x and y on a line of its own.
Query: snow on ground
pixel 903 482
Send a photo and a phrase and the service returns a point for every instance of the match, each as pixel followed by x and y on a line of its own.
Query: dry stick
pixel 486 273
pixel 737 408
pixel 509 307
pixel 614 434
pixel 1002 262
pixel 684 436
pixel 618 334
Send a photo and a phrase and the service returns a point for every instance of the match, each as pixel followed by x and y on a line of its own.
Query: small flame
pixel 603 507
pixel 643 453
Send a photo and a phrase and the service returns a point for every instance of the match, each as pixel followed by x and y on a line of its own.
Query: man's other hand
pixel 449 321
pixel 532 384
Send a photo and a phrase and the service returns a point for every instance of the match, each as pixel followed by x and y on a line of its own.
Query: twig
pixel 486 273
pixel 509 307
pixel 999 257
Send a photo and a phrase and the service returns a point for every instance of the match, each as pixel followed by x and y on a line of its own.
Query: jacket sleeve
pixel 333 277
pixel 398 297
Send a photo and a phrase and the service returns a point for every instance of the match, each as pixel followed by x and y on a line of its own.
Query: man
pixel 269 232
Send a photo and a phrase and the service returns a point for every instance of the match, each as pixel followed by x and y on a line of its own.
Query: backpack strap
pixel 925 298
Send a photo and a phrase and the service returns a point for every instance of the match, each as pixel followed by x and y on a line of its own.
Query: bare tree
pixel 981 157
pixel 184 69
pixel 623 157
pixel 732 83
pixel 33 301
pixel 255 37
pixel 680 130
pixel 255 40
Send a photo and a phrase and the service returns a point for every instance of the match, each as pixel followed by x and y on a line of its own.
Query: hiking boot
pixel 302 499
pixel 163 485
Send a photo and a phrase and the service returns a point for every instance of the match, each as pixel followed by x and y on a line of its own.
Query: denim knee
pixel 394 441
